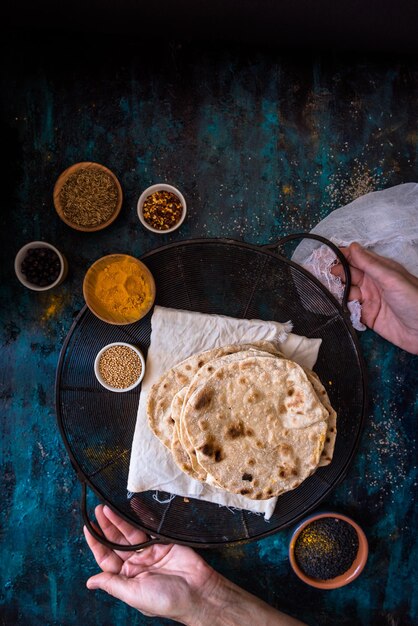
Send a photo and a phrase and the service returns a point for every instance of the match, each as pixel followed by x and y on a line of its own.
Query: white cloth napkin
pixel 384 221
pixel 175 336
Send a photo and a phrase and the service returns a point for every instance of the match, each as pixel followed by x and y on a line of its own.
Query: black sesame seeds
pixel 326 548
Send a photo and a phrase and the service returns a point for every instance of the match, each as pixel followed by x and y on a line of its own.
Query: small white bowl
pixel 97 371
pixel 150 190
pixel 21 255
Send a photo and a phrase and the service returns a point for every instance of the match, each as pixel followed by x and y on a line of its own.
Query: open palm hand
pixel 164 580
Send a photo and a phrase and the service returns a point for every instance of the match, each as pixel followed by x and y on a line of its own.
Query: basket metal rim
pixel 217 544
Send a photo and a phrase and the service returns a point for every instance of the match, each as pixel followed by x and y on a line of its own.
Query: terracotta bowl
pixel 62 179
pixel 339 581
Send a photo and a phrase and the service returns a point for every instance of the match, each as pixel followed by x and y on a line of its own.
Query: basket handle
pixel 100 536
pixel 341 258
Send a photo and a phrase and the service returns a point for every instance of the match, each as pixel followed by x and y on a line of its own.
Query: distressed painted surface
pixel 261 145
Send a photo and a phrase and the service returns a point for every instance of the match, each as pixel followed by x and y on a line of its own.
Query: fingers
pixel 109 529
pixel 105 557
pixel 355 294
pixel 356 279
pixel 117 530
pixel 356 274
pixel 127 532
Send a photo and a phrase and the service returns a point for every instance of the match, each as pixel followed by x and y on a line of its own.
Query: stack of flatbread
pixel 244 418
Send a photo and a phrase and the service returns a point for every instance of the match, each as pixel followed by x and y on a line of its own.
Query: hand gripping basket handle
pixel 333 247
pixel 101 538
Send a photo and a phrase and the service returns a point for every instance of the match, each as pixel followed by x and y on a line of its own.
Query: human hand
pixel 388 294
pixel 164 580
pixel 172 581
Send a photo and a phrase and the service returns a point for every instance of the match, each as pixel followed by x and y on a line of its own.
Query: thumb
pixel 114 584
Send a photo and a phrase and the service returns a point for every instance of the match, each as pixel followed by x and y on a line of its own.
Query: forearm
pixel 229 605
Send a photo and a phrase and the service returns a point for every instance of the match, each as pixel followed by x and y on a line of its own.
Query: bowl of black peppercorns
pixel 328 550
pixel 40 266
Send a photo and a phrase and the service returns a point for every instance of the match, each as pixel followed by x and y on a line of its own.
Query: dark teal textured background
pixel 262 145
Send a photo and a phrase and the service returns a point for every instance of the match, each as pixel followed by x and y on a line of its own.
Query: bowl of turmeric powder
pixel 119 289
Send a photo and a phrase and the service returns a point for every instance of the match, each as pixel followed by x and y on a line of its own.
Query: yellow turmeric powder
pixel 124 289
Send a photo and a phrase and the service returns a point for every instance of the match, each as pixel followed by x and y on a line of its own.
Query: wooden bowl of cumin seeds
pixel 88 196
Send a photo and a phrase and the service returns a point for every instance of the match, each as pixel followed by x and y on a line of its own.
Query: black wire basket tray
pixel 211 276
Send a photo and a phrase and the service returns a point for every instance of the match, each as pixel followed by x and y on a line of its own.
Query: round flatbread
pixel 180 456
pixel 257 426
pixel 331 434
pixel 205 372
pixel 163 391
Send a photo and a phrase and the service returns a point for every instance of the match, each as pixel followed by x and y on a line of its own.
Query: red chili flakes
pixel 162 210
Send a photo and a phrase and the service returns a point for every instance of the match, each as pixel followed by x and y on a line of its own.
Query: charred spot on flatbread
pixel 212 449
pixel 285 449
pixel 236 430
pixel 203 400
pixel 297 401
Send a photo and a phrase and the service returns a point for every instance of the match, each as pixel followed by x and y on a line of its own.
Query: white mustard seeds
pixel 120 367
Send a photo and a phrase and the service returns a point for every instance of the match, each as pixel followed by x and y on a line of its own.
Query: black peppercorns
pixel 41 266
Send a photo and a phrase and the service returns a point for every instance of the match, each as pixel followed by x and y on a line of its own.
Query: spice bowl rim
pixel 21 255
pixel 62 179
pixel 87 297
pixel 97 372
pixel 152 189
pixel 353 571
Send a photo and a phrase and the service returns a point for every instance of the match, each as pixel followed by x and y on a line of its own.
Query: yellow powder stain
pixel 237 551
pixel 54 306
pixel 287 189
pixel 103 454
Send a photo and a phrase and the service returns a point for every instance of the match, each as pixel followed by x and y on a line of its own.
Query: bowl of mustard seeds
pixel 87 196
pixel 119 367
pixel 161 208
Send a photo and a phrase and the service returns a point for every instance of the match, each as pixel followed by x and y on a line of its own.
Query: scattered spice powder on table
pixel 89 197
pixel 326 548
pixel 162 210
pixel 120 367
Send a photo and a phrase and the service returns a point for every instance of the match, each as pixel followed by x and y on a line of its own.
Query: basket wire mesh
pixel 212 276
